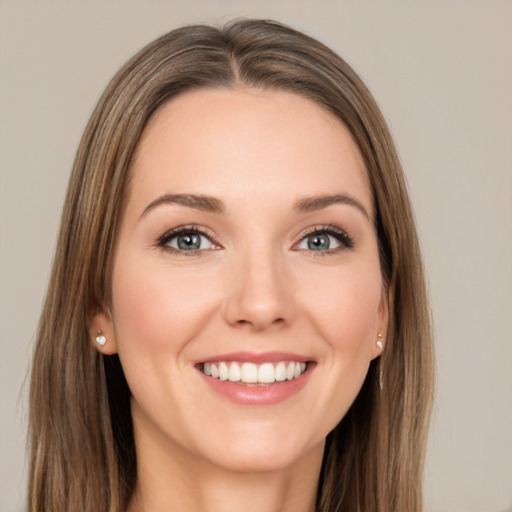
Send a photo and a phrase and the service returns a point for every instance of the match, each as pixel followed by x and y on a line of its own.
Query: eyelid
pixel 164 239
pixel 344 239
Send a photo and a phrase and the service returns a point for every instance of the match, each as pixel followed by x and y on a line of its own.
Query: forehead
pixel 237 143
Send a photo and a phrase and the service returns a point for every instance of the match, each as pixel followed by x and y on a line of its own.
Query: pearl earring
pixel 100 338
pixel 379 341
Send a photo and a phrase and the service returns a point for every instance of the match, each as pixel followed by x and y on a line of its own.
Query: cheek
pixel 345 309
pixel 157 308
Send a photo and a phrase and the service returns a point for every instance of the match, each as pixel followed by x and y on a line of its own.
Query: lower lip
pixel 258 394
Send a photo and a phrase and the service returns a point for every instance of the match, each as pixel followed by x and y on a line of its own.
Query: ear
pixel 100 324
pixel 381 326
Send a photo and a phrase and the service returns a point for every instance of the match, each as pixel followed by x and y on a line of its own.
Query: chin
pixel 260 453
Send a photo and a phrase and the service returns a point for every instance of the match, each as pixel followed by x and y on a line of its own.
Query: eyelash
pixel 346 241
pixel 182 230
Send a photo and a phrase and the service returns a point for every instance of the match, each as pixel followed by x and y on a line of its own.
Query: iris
pixel 318 242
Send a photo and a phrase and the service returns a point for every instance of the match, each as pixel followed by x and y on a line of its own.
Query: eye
pixel 319 242
pixel 186 240
pixel 327 239
pixel 189 242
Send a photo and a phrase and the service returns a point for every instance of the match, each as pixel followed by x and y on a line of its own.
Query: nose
pixel 260 293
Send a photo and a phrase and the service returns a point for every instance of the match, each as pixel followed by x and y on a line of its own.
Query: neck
pixel 181 482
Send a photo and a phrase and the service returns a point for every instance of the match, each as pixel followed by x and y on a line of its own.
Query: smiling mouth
pixel 254 374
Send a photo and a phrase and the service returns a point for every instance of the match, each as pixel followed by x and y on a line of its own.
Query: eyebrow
pixel 310 204
pixel 214 205
pixel 198 202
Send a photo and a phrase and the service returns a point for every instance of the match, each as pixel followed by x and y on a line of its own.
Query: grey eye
pixel 190 242
pixel 319 242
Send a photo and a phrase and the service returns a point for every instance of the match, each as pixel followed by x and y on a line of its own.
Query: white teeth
pixel 266 373
pixel 281 371
pixel 235 374
pixel 223 371
pixel 250 373
pixel 290 370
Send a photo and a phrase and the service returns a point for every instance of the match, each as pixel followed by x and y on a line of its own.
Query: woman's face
pixel 247 292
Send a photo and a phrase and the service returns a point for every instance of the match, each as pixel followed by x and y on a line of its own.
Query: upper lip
pixel 256 357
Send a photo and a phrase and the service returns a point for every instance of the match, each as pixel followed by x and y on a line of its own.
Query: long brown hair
pixel 81 434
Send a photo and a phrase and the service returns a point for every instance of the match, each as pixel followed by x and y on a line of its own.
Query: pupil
pixel 189 242
pixel 318 242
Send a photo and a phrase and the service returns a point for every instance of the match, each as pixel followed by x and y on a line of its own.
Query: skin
pixel 254 286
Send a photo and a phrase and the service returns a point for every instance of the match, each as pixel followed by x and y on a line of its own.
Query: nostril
pixel 261 324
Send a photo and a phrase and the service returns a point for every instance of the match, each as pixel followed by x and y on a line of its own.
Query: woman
pixel 237 316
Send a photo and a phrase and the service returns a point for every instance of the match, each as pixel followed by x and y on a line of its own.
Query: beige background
pixel 442 72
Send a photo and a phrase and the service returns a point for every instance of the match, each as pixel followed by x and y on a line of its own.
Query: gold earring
pixel 100 338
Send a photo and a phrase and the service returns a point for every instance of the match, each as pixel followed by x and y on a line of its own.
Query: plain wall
pixel 442 73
